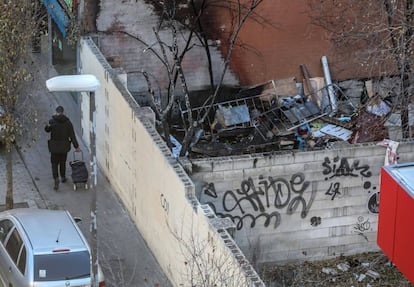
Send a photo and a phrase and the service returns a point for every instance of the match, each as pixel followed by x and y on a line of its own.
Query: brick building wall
pixel 121 25
pixel 274 42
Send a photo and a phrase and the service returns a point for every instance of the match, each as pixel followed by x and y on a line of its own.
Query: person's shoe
pixel 64 179
pixel 56 186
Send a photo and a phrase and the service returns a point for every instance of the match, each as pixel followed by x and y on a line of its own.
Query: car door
pixel 6 226
pixel 12 256
pixel 16 265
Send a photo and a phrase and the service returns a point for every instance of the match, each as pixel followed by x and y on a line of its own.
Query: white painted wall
pixel 153 186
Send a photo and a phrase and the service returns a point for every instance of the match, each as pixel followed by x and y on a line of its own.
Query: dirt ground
pixel 367 269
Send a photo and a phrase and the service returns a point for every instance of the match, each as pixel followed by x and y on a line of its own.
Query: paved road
pixel 124 256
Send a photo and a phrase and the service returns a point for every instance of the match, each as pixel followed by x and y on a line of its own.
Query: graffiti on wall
pixel 342 167
pixel 373 203
pixel 362 226
pixel 263 200
pixel 315 221
pixel 164 203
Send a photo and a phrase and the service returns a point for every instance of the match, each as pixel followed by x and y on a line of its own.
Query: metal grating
pixel 268 112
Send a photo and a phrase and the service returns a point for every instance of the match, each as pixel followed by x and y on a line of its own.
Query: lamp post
pixel 85 83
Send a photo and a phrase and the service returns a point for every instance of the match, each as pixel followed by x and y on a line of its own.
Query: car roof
pixel 48 230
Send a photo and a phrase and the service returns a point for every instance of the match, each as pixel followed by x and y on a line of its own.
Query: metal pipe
pixel 50 40
pixel 93 181
pixel 328 81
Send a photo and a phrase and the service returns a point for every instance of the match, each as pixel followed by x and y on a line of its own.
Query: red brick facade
pixel 278 42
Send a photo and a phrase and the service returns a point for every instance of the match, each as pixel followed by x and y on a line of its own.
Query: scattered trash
pixel 344 119
pixel 361 277
pixel 368 128
pixel 177 146
pixel 391 153
pixel 373 274
pixel 230 116
pixel 329 271
pixel 379 109
pixel 336 131
pixel 197 135
pixel 283 114
pixel 324 272
pixel 343 267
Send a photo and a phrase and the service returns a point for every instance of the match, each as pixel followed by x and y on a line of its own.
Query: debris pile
pixel 285 114
pixel 365 269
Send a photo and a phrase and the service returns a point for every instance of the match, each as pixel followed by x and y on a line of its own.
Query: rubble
pixel 343 266
pixel 373 274
pixel 285 114
pixel 329 271
pixel 365 269
pixel 361 277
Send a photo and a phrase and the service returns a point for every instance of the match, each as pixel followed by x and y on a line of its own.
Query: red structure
pixel 396 213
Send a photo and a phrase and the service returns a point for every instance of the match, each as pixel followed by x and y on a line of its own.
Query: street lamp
pixel 85 83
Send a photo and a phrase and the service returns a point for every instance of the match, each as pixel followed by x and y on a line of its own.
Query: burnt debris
pixel 284 115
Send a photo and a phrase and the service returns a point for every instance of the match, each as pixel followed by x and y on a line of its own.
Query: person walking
pixel 62 136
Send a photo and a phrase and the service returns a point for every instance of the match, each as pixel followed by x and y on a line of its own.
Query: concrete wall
pixel 298 205
pixel 285 207
pixel 153 186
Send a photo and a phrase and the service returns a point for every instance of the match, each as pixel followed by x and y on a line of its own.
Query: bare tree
pixel 206 265
pixel 240 12
pixel 18 26
pixel 180 30
pixel 378 34
pixel 209 262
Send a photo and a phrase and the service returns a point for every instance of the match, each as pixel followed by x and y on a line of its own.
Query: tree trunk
pixel 89 13
pixel 406 100
pixel 405 123
pixel 9 175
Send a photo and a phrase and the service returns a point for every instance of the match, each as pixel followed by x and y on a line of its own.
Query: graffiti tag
pixel 263 197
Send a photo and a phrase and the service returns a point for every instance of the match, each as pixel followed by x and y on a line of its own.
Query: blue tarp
pixel 58 14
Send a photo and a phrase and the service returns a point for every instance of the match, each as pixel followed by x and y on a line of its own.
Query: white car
pixel 43 248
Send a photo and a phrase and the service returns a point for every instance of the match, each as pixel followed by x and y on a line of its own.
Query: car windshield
pixel 61 266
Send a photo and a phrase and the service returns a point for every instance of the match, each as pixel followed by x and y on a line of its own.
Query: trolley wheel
pixel 74 186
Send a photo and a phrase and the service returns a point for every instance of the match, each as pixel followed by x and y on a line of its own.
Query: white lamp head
pixel 73 83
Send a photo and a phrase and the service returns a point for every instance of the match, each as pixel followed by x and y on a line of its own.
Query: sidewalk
pixel 25 193
pixel 123 254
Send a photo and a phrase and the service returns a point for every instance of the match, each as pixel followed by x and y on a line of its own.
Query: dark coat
pixel 61 134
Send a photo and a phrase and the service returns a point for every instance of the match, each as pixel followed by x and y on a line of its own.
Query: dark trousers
pixel 58 161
